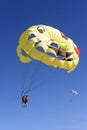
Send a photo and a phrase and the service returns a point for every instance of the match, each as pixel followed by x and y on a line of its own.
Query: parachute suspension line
pixel 33 77
pixel 25 75
pixel 24 79
pixel 43 82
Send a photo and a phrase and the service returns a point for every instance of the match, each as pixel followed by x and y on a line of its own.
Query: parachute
pixel 49 46
pixel 74 92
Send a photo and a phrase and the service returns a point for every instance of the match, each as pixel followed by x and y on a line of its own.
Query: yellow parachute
pixel 56 49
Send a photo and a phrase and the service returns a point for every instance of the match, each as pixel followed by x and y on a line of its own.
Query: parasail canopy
pixel 49 46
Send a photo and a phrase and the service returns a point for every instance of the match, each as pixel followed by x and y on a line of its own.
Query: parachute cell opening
pixel 31 36
pixel 40 49
pixel 50 54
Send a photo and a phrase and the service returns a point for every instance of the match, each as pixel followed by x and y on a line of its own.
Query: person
pixel 25 99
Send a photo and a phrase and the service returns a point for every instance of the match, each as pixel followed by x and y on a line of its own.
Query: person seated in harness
pixel 25 99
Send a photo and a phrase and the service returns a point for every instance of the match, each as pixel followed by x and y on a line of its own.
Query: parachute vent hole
pixel 50 54
pixel 40 49
pixel 60 57
pixel 55 45
pixel 36 43
pixel 70 59
pixel 31 36
pixel 24 53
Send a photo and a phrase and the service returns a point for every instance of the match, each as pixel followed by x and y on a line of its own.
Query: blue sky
pixel 51 106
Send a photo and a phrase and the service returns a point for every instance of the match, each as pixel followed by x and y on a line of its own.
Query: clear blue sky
pixel 51 106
